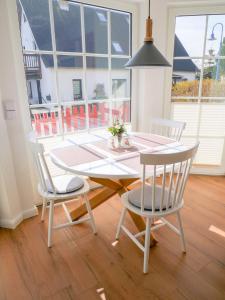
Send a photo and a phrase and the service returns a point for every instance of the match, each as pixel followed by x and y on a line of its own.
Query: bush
pixel 210 87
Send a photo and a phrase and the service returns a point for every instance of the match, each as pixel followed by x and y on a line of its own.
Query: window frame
pixel 195 10
pixel 124 9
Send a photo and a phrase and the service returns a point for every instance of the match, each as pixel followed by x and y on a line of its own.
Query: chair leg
pixel 90 213
pixel 181 232
pixel 43 209
pixel 50 223
pixel 147 245
pixel 122 216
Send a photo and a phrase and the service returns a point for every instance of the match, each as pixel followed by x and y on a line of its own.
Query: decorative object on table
pixel 111 142
pixel 148 55
pixel 117 130
pixel 127 142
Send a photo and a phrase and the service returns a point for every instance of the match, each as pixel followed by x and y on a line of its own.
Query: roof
pixel 37 13
pixel 68 29
pixel 182 65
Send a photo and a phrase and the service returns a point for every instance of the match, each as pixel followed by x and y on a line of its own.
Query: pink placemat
pixel 102 145
pixel 151 140
pixel 75 155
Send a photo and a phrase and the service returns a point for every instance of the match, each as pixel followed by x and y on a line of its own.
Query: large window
pixel 198 84
pixel 74 56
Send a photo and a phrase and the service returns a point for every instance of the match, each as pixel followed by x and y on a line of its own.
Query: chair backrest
pixel 168 189
pixel 40 162
pixel 169 128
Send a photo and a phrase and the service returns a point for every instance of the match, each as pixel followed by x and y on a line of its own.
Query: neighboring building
pixel 183 69
pixel 70 74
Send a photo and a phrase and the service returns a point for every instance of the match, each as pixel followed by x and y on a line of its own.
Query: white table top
pixel 88 154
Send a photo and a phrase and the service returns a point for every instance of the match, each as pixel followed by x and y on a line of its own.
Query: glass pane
pixel 96 22
pixel 67 26
pixel 97 78
pixel 119 63
pixel 34 24
pixel 45 120
pixel 120 33
pixel 121 110
pixel 212 122
pixel 186 74
pixel 214 78
pixel 70 78
pixel 96 62
pixel 65 61
pixel 73 117
pixel 99 114
pixel 215 35
pixel 186 112
pixel 120 79
pixel 40 78
pixel 189 36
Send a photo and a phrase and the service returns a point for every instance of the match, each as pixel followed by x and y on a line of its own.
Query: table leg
pixel 95 201
pixel 111 188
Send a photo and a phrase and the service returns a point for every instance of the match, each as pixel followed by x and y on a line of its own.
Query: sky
pixel 191 32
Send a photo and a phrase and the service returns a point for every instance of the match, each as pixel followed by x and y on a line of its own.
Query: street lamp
pixel 213 38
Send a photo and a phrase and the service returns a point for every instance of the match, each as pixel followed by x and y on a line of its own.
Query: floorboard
pixel 87 267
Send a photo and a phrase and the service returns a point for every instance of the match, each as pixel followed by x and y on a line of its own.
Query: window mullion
pixel 201 80
pixel 109 66
pixel 84 67
pixel 52 28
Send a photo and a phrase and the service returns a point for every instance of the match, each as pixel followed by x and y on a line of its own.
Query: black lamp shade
pixel 147 56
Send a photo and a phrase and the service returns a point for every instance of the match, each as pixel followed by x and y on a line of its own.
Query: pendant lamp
pixel 148 55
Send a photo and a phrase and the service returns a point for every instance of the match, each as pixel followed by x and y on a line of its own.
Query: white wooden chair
pixel 158 199
pixel 57 190
pixel 168 128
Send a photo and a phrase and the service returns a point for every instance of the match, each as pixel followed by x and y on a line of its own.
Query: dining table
pixel 116 170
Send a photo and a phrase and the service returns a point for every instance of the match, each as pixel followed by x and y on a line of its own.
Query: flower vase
pixel 119 140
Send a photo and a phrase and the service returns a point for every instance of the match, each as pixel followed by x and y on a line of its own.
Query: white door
pixel 197 81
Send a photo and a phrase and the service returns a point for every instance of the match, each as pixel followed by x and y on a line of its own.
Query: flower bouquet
pixel 117 130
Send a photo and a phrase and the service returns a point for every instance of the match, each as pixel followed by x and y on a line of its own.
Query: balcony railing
pixel 32 64
pixel 46 121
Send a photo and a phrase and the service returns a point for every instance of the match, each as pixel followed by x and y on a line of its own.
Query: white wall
pixel 151 81
pixel 27 38
pixel 16 185
pixel 93 78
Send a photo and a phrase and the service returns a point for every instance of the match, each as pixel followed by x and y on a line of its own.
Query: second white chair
pixel 59 189
pixel 168 128
pixel 160 198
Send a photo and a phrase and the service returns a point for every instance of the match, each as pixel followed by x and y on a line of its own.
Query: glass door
pixel 198 86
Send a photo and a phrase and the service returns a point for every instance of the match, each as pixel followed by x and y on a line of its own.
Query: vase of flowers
pixel 117 130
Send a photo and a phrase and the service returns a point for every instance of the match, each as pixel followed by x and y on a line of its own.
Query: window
pixel 198 84
pixel 119 87
pixel 96 34
pixel 74 56
pixel 77 89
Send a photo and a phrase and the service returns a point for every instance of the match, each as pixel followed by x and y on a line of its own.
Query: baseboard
pixel 13 223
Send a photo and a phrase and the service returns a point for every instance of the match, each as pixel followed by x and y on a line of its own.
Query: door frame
pixel 175 10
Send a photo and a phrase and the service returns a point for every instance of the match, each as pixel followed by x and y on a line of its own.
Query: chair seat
pixel 65 184
pixel 134 198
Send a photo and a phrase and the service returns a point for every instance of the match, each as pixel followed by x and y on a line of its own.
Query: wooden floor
pixel 83 266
